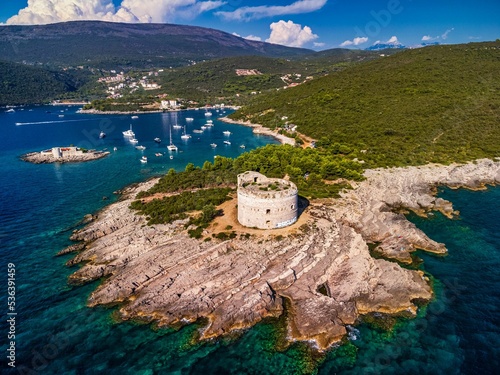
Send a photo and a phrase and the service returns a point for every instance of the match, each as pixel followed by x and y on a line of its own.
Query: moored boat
pixel 129 133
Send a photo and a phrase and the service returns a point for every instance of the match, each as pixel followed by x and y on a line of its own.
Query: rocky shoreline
pixel 259 129
pixel 320 271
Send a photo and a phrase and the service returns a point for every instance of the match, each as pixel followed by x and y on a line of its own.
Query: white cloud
pixel 51 11
pixel 253 37
pixel 290 34
pixel 249 37
pixel 356 42
pixel 445 34
pixel 393 40
pixel 252 13
pixel 427 38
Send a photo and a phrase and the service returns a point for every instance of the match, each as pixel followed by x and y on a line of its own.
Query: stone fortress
pixel 266 203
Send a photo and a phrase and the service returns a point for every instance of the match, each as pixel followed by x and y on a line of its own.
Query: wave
pixel 54 122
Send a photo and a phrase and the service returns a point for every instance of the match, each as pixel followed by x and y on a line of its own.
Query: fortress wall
pixel 266 209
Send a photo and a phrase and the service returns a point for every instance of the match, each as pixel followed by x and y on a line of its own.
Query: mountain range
pixel 105 44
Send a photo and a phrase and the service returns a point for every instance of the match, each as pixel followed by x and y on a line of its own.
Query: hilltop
pixel 125 45
pixel 434 104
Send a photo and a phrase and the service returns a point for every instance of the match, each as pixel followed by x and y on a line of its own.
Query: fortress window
pixel 255 179
pixel 293 207
pixel 268 211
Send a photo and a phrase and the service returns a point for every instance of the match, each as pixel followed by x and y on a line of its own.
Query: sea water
pixel 55 333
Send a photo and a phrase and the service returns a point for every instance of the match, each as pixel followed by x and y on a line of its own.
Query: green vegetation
pixel 169 209
pixel 307 168
pixel 210 80
pixel 24 84
pixel 434 104
pixel 21 84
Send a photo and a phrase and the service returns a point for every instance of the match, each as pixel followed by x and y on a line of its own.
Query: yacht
pixel 171 146
pixel 242 146
pixel 142 148
pixel 189 119
pixel 197 131
pixel 11 110
pixel 226 132
pixel 177 126
pixel 208 114
pixel 210 122
pixel 102 134
pixel 144 159
pixel 204 127
pixel 227 142
pixel 157 140
pixel 213 145
pixel 185 136
pixel 134 141
pixel 129 133
pixel 135 117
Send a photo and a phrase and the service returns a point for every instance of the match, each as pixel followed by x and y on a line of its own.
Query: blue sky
pixel 318 24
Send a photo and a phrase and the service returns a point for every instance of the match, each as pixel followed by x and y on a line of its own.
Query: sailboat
pixel 185 136
pixel 171 146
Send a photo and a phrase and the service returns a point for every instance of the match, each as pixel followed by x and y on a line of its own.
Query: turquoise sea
pixel 55 333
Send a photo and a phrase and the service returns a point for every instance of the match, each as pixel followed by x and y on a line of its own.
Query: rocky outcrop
pixel 48 158
pixel 322 273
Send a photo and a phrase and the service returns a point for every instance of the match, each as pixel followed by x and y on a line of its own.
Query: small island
pixel 64 155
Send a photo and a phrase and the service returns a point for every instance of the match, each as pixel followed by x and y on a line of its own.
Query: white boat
pixel 157 140
pixel 115 148
pixel 102 134
pixel 185 136
pixel 144 159
pixel 213 145
pixel 10 110
pixel 197 131
pixel 242 146
pixel 129 133
pixel 210 122
pixel 61 116
pixel 158 154
pixel 134 141
pixel 227 142
pixel 135 117
pixel 177 126
pixel 208 114
pixel 171 157
pixel 142 148
pixel 171 146
pixel 226 132
pixel 204 127
pixel 189 119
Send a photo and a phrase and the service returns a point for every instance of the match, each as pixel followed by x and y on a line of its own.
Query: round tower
pixel 266 203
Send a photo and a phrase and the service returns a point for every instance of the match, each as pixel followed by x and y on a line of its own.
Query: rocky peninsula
pixel 63 155
pixel 320 271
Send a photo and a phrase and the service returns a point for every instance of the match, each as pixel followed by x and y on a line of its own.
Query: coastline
pixel 239 282
pixel 260 129
pixel 97 112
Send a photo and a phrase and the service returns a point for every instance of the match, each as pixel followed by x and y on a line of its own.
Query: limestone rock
pixel 323 277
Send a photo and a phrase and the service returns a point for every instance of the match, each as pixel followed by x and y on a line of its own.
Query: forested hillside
pixel 434 104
